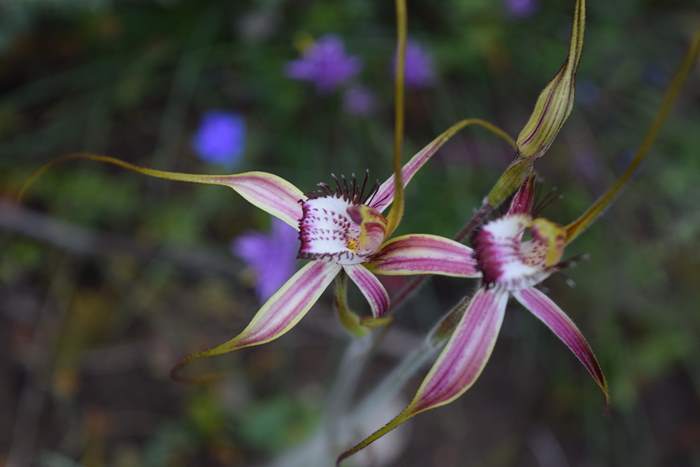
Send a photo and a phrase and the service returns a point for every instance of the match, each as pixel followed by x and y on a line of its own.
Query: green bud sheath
pixel 555 102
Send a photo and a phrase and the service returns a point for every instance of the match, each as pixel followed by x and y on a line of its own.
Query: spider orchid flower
pixel 511 266
pixel 508 266
pixel 341 228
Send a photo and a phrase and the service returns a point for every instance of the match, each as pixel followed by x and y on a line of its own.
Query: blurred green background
pixel 107 277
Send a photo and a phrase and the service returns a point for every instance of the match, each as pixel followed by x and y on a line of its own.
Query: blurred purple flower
pixel 220 138
pixel 358 100
pixel 326 64
pixel 272 256
pixel 419 69
pixel 521 8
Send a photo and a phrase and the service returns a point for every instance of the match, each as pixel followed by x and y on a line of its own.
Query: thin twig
pixel 82 241
pixel 40 366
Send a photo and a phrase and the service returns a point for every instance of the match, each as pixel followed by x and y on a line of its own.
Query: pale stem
pixel 349 422
pixel 397 206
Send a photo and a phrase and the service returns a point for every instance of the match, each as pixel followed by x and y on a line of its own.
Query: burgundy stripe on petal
pixel 371 288
pixel 459 364
pixel 385 194
pixel 564 328
pixel 466 353
pixel 268 192
pixel 284 309
pixel 424 254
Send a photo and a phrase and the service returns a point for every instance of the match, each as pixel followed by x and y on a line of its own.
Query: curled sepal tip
pixel 279 314
pixel 347 318
pixel 266 191
pixel 556 101
pixel 458 366
pixel 374 323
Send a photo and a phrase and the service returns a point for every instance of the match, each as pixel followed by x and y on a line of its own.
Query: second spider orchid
pixel 508 266
pixel 511 265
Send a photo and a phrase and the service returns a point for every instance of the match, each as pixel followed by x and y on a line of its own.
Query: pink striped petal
pixel 459 364
pixel 268 192
pixel 371 288
pixel 424 254
pixel 385 194
pixel 466 353
pixel 284 309
pixel 561 325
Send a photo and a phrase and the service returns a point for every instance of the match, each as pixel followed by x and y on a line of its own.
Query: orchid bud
pixel 555 102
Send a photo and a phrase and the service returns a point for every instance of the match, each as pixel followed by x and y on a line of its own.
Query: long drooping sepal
pixel 397 208
pixel 575 228
pixel 564 328
pixel 459 364
pixel 424 254
pixel 266 191
pixel 554 104
pixel 371 288
pixel 385 194
pixel 279 314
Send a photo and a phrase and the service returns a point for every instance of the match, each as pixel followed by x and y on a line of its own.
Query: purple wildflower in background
pixel 521 8
pixel 272 256
pixel 326 64
pixel 220 138
pixel 419 69
pixel 358 101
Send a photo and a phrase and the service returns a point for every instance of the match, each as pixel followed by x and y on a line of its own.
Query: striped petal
pixel 459 364
pixel 561 325
pixel 385 194
pixel 282 311
pixel 270 193
pixel 424 254
pixel 266 191
pixel 371 288
pixel 466 353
